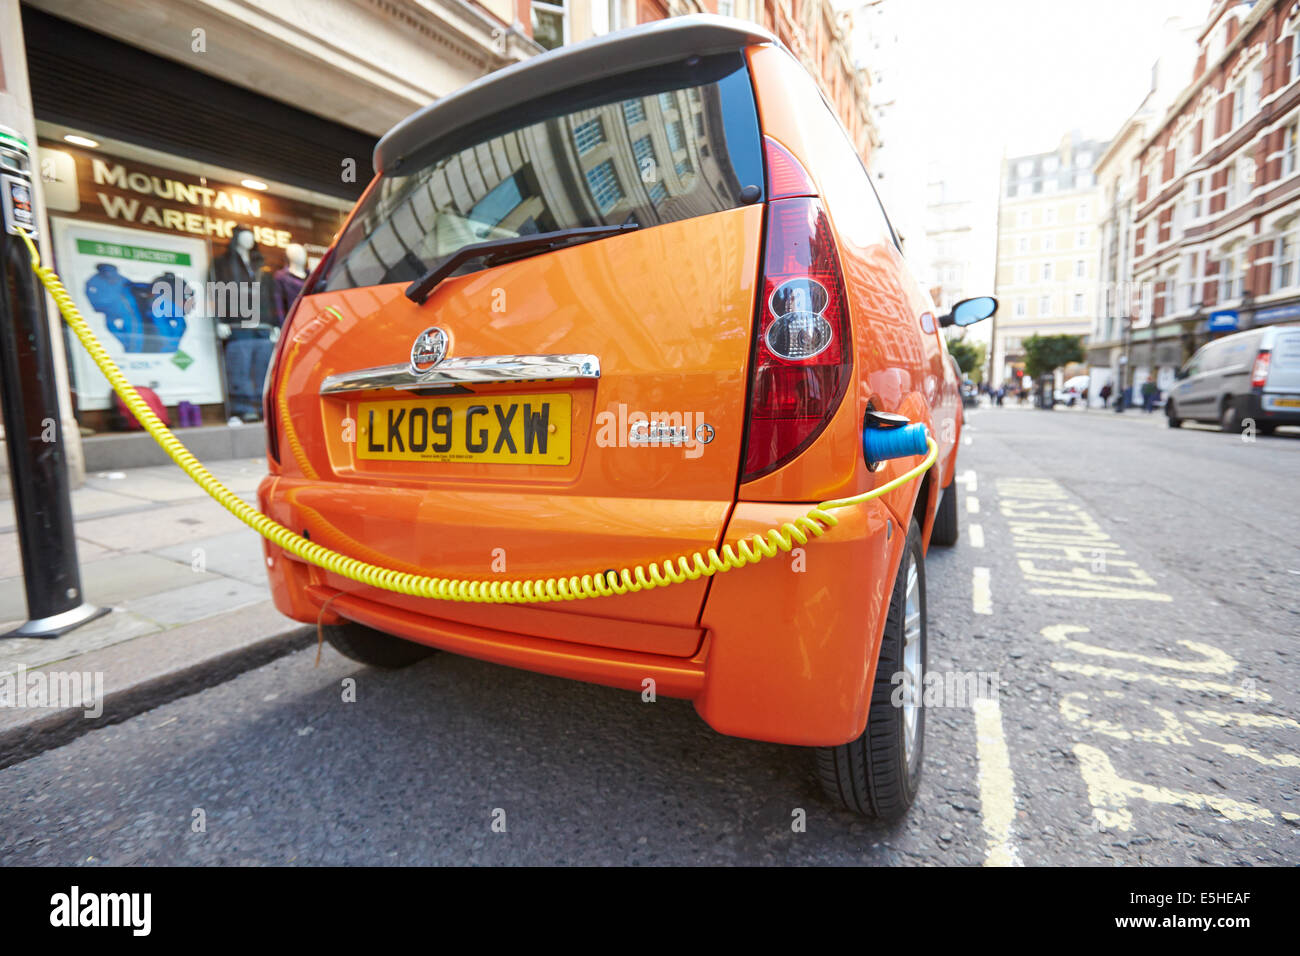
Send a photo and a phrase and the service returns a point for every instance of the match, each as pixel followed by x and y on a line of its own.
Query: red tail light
pixel 1259 373
pixel 802 349
pixel 785 175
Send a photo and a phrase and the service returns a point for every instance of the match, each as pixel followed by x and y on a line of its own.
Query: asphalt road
pixel 1135 594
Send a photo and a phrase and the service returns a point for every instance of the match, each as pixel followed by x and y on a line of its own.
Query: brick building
pixel 1216 244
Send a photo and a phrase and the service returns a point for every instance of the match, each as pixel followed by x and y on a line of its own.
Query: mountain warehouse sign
pixel 126 209
pixel 97 187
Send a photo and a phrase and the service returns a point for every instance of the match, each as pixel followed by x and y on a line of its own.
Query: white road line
pixel 997 785
pixel 976 536
pixel 972 505
pixel 981 593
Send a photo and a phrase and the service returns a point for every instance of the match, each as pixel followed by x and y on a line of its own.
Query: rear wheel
pixel 879 773
pixel 1171 415
pixel 1229 419
pixel 365 645
pixel 946 529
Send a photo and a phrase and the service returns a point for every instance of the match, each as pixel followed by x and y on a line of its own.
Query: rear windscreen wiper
pixel 494 251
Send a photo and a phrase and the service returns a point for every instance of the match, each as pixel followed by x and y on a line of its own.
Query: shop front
pixel 185 213
pixel 183 272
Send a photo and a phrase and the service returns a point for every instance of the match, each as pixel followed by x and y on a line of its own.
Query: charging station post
pixel 33 433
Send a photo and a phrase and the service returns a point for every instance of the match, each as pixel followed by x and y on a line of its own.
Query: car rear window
pixel 649 147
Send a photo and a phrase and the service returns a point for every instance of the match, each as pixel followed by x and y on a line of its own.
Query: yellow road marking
pixel 996 783
pixel 976 536
pixel 972 504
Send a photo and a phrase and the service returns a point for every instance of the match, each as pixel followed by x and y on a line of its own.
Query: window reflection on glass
pixel 586 157
pixel 548 24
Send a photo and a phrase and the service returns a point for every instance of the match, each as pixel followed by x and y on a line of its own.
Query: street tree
pixel 1044 354
pixel 970 357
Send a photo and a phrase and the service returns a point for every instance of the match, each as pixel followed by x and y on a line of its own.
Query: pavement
pixel 182 576
pixel 1132 588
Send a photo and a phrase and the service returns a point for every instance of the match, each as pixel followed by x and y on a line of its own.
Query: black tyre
pixel 1229 418
pixel 879 773
pixel 1171 416
pixel 365 645
pixel 946 528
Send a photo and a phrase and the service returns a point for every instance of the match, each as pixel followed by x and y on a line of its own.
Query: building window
pixel 726 8
pixel 1022 245
pixel 1024 189
pixel 1050 164
pixel 1022 308
pixel 1080 268
pixel 1077 305
pixel 676 137
pixel 1231 276
pixel 1023 218
pixel 1289 150
pixel 1238 105
pixel 1049 185
pixel 633 112
pixel 1049 217
pixel 1286 268
pixel 684 168
pixel 1254 89
pixel 587 136
pixel 1081 239
pixel 1197 199
pixel 1049 243
pixel 550 26
pixel 667 101
pixel 1044 304
pixel 603 183
pixel 1047 272
pixel 1025 167
pixel 1083 160
pixel 657 193
pixel 1022 274
pixel 1295 54
pixel 1230 189
pixel 1083 210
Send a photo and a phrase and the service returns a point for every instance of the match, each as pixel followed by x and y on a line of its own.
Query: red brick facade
pixel 1219 188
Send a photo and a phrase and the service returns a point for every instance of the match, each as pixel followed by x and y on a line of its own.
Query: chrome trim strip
pixel 477 370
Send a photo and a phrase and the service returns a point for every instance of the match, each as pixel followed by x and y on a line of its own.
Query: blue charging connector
pixel 880 444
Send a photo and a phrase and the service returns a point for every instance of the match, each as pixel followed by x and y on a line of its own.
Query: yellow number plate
pixel 1287 402
pixel 510 429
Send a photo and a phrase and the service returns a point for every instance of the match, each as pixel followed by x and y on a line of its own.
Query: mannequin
pixel 288 282
pixel 247 335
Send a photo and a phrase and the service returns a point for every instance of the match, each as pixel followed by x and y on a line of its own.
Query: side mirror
pixel 969 311
pixel 1182 373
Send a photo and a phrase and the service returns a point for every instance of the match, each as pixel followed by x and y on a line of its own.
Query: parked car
pixel 1252 375
pixel 1072 390
pixel 622 301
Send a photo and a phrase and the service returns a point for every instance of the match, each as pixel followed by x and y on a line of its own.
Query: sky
pixel 1021 72
pixel 973 80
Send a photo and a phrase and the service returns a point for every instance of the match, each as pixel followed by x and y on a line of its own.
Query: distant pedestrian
pixel 1149 394
pixel 1105 394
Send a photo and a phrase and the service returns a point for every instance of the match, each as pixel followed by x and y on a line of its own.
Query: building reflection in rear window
pixel 651 147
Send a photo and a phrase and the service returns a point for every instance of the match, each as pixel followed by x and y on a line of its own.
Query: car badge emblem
pixel 429 349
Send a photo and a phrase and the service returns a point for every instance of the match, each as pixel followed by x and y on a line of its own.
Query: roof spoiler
pixel 649 44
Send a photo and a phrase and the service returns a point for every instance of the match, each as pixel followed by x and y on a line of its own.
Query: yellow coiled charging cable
pixel 677 570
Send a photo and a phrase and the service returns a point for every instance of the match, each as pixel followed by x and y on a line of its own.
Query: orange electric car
pixel 628 300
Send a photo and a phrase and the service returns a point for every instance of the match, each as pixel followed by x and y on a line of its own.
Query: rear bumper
pixel 785 651
pixel 1261 407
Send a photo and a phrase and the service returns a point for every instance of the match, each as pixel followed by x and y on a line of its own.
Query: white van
pixel 1252 375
